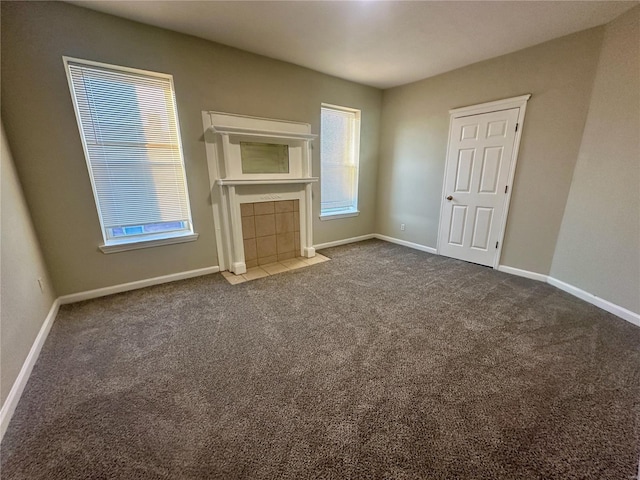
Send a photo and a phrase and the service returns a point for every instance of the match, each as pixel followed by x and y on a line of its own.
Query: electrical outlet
pixel 41 284
pixel 402 227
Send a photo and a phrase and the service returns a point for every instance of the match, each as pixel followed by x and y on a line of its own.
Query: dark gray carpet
pixel 384 363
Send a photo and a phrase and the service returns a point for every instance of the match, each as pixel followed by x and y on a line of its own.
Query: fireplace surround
pixel 254 160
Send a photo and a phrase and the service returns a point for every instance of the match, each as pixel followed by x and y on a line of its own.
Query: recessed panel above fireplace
pixel 264 158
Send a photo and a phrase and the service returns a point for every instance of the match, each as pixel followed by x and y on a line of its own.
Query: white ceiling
pixel 378 43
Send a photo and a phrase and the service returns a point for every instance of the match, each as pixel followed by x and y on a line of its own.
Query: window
pixel 129 129
pixel 339 157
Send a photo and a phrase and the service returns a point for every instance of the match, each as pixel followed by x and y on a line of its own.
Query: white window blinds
pixel 339 151
pixel 129 128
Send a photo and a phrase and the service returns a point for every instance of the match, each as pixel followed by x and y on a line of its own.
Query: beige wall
pixel 405 186
pixel 559 74
pixel 23 307
pixel 41 128
pixel 599 243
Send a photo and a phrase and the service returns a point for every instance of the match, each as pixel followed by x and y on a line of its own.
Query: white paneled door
pixel 480 155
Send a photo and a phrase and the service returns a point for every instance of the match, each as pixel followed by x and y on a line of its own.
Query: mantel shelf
pixel 239 131
pixel 278 181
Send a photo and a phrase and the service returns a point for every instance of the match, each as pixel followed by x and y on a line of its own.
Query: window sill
pixel 148 243
pixel 337 215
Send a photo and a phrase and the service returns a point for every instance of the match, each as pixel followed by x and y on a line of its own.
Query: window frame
pixel 352 211
pixel 113 244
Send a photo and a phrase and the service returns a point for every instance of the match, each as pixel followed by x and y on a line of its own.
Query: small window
pixel 339 158
pixel 129 129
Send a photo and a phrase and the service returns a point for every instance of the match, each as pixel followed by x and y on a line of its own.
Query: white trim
pixel 488 107
pixel 606 305
pixel 137 71
pixel 282 181
pixel 512 173
pixel 335 216
pixel 216 193
pixel 148 243
pixel 255 132
pixel 344 241
pixel 342 108
pixel 504 104
pixel 610 307
pixel 125 287
pixel 11 402
pixel 415 246
pixel 523 273
pixel 240 120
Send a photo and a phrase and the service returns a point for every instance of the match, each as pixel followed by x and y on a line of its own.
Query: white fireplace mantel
pixel 230 187
pixel 254 132
pixel 230 181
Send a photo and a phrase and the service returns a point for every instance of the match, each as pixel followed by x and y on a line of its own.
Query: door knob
pixel 449 198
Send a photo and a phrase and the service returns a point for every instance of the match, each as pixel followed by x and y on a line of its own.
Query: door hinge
pixel 517 126
pixel 506 188
pixel 497 244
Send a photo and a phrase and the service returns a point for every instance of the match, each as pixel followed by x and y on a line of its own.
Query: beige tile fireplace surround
pixel 270 231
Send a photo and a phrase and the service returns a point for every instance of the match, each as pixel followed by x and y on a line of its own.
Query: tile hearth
pixel 274 268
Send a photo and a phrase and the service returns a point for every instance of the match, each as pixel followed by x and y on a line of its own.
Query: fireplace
pixel 259 164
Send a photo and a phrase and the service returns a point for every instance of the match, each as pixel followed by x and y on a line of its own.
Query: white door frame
pixel 506 104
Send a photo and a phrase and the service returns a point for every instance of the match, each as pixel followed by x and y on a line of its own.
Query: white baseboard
pixel 621 312
pixel 125 287
pixel 415 246
pixel 606 305
pixel 610 307
pixel 13 398
pixel 344 241
pixel 523 273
